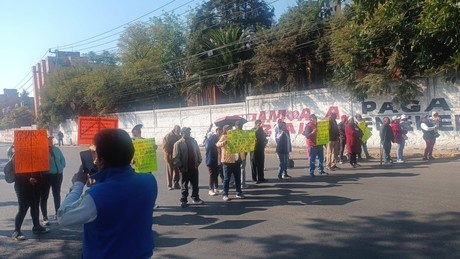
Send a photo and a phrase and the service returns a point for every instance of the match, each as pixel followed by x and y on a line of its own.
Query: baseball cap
pixel 344 117
pixel 395 118
pixel 185 130
pixel 137 127
pixel 403 117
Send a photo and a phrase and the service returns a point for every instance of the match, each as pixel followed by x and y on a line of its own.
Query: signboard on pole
pixel 367 133
pixel 89 126
pixel 241 141
pixel 322 132
pixel 145 155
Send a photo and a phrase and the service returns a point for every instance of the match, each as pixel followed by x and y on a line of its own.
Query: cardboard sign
pixel 322 132
pixel 241 141
pixel 145 155
pixel 31 151
pixel 367 133
pixel 89 126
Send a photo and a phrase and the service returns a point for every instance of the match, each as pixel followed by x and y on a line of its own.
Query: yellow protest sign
pixel 367 133
pixel 145 155
pixel 241 141
pixel 322 132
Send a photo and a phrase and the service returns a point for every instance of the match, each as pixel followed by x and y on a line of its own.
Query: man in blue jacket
pixel 117 210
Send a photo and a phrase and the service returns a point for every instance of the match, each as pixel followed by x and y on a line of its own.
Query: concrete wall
pixel 295 108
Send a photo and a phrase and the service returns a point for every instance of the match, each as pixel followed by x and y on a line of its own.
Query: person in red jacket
pixel 314 150
pixel 353 138
pixel 398 133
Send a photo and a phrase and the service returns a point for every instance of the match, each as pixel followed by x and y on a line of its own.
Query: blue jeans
pixel 283 164
pixel 400 149
pixel 386 151
pixel 316 151
pixel 229 170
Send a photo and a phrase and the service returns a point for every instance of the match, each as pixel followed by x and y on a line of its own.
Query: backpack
pixel 9 171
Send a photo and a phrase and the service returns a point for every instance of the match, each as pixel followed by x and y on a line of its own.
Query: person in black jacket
pixel 212 161
pixel 283 147
pixel 258 155
pixel 342 138
pixel 386 137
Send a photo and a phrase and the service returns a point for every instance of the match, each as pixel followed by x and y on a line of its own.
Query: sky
pixel 30 28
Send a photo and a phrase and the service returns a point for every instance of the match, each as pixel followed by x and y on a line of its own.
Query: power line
pixel 120 26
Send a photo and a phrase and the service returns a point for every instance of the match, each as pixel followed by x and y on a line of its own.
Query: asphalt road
pixel 409 210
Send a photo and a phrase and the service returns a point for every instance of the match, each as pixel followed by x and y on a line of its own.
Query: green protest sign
pixel 367 133
pixel 322 132
pixel 241 141
pixel 145 155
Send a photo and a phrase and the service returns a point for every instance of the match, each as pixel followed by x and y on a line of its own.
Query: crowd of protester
pixel 112 156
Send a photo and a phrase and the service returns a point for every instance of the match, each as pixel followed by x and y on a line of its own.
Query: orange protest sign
pixel 31 153
pixel 89 126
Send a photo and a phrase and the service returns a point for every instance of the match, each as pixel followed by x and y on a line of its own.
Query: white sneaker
pixel 400 161
pixel 225 198
pixel 212 193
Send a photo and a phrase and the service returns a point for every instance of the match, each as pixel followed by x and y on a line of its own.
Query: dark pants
pixel 221 173
pixel 53 181
pixel 386 151
pixel 353 158
pixel 191 176
pixel 429 147
pixel 342 144
pixel 229 170
pixel 257 165
pixel 28 196
pixel 213 177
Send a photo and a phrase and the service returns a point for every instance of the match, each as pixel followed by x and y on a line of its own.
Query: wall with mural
pixel 295 109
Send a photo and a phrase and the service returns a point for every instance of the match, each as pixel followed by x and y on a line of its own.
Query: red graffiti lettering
pixel 275 116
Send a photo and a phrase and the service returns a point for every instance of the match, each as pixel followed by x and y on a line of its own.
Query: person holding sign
pixel 187 158
pixel 30 160
pixel 332 148
pixel 117 210
pixel 239 126
pixel 314 150
pixel 353 138
pixel 358 119
pixel 52 180
pixel 231 165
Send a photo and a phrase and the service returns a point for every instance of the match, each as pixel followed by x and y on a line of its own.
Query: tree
pixel 219 43
pixel 293 54
pixel 105 58
pixel 153 64
pixel 80 90
pixel 382 47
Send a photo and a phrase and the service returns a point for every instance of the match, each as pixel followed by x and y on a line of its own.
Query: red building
pixel 42 70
